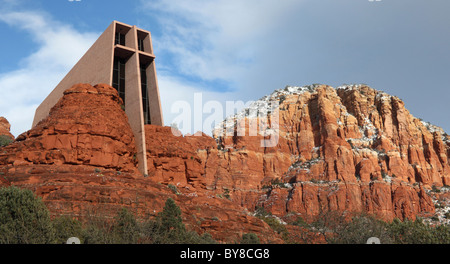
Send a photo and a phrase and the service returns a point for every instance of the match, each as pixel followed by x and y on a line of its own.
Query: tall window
pixel 120 39
pixel 119 77
pixel 145 99
pixel 140 44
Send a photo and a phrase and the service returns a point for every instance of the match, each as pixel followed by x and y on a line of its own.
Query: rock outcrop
pixel 80 160
pixel 5 128
pixel 86 127
pixel 350 149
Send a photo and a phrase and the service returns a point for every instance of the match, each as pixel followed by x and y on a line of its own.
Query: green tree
pixel 168 228
pixel 24 219
pixel 359 229
pixel 65 228
pixel 170 217
pixel 126 227
pixel 417 232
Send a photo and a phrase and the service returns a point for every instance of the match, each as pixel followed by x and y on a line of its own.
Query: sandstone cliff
pixel 5 128
pixel 81 161
pixel 351 149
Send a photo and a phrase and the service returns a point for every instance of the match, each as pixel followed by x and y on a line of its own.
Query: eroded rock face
pixel 5 128
pixel 80 160
pixel 86 127
pixel 350 149
pixel 347 149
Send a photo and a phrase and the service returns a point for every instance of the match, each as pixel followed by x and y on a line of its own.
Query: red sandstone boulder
pixel 5 128
pixel 86 127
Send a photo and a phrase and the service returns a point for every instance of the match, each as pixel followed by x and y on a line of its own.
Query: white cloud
pixel 217 39
pixel 59 47
pixel 213 41
pixel 261 45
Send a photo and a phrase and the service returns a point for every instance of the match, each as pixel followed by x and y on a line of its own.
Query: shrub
pixel 300 222
pixel 65 228
pixel 260 212
pixel 173 188
pixel 170 217
pixel 339 228
pixel 275 225
pixel 168 228
pixel 98 232
pixel 126 227
pixel 435 189
pixel 24 219
pixel 249 238
pixel 417 232
pixel 359 229
pixel 226 193
pixel 5 140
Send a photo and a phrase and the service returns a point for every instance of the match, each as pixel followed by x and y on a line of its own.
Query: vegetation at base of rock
pixel 272 221
pixel 250 238
pixel 274 184
pixel 5 141
pixel 24 219
pixel 337 228
pixel 173 188
pixel 66 227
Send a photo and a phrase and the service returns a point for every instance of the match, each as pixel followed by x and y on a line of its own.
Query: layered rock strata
pixel 351 149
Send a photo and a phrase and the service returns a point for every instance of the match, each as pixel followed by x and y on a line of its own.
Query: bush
pixel 360 229
pixel 5 140
pixel 170 217
pixel 417 232
pixel 272 221
pixel 275 225
pixel 65 228
pixel 24 219
pixel 168 228
pixel 300 222
pixel 339 228
pixel 249 238
pixel 126 227
pixel 173 188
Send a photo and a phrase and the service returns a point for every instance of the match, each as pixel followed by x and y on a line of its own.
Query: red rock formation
pixel 86 127
pixel 350 149
pixel 80 161
pixel 5 128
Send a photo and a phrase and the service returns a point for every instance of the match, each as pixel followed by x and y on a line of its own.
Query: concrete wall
pixel 156 113
pixel 133 109
pixel 153 96
pixel 96 66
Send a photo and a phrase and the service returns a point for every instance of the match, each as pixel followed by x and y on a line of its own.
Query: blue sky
pixel 237 50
